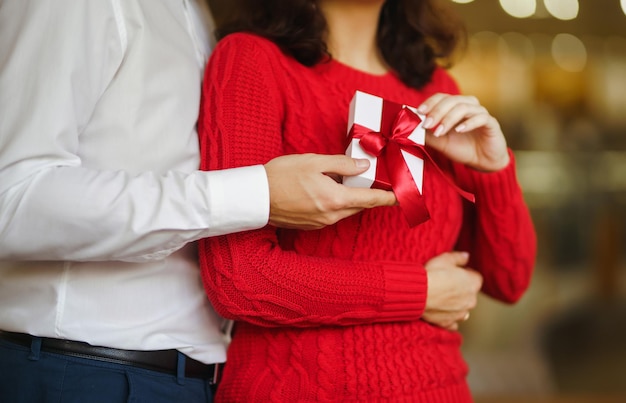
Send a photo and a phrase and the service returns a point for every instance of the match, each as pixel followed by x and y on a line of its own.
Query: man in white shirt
pixel 101 200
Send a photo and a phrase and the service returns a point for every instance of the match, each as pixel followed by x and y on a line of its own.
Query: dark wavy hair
pixel 414 36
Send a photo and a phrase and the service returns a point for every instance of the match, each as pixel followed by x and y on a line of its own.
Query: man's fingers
pixel 304 193
pixel 368 198
pixel 341 165
pixel 354 198
pixel 319 163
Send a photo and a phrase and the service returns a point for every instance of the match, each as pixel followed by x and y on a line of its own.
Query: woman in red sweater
pixel 336 315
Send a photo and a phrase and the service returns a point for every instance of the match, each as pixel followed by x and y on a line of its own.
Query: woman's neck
pixel 352 27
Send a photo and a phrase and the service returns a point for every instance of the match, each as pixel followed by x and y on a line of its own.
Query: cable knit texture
pixel 334 315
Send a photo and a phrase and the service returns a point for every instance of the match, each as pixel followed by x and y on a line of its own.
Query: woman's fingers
pixel 437 104
pixel 462 118
pixel 472 122
pixel 446 112
pixel 463 130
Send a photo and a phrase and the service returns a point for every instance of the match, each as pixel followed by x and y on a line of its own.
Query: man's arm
pixel 57 60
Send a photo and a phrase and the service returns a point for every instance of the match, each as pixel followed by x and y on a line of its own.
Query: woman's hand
pixel 452 290
pixel 463 130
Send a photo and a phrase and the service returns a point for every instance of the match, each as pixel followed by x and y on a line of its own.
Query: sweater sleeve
pixel 498 232
pixel 248 276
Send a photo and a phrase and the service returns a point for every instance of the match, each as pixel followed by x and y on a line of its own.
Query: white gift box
pixel 367 110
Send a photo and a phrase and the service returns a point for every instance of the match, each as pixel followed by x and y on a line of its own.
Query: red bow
pixel 398 123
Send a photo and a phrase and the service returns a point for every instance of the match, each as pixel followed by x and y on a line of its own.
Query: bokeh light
pixel 569 52
pixel 563 9
pixel 519 8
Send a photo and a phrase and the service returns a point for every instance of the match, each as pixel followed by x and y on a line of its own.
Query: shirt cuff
pixel 238 200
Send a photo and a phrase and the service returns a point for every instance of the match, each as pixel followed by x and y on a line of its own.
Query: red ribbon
pixel 397 124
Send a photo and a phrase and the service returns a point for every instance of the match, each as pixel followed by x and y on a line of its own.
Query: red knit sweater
pixel 334 315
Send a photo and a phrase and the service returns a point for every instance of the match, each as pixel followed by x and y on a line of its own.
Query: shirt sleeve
pixel 56 59
pixel 248 276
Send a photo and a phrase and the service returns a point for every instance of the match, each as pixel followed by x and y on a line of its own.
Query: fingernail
pixel 361 163
pixel 428 123
pixel 439 131
pixel 460 128
pixel 465 255
pixel 422 109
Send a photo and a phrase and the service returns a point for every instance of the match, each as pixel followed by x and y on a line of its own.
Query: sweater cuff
pixel 496 189
pixel 405 291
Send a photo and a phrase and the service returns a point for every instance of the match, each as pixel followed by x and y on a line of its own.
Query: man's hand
pixel 304 195
pixel 452 290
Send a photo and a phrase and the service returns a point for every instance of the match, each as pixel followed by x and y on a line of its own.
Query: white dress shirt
pixel 100 195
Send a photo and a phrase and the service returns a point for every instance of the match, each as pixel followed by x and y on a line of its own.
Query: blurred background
pixel 554 73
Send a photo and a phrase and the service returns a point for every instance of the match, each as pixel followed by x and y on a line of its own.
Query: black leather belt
pixel 165 361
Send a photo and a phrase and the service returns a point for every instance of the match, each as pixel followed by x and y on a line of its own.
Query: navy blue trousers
pixel 35 376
